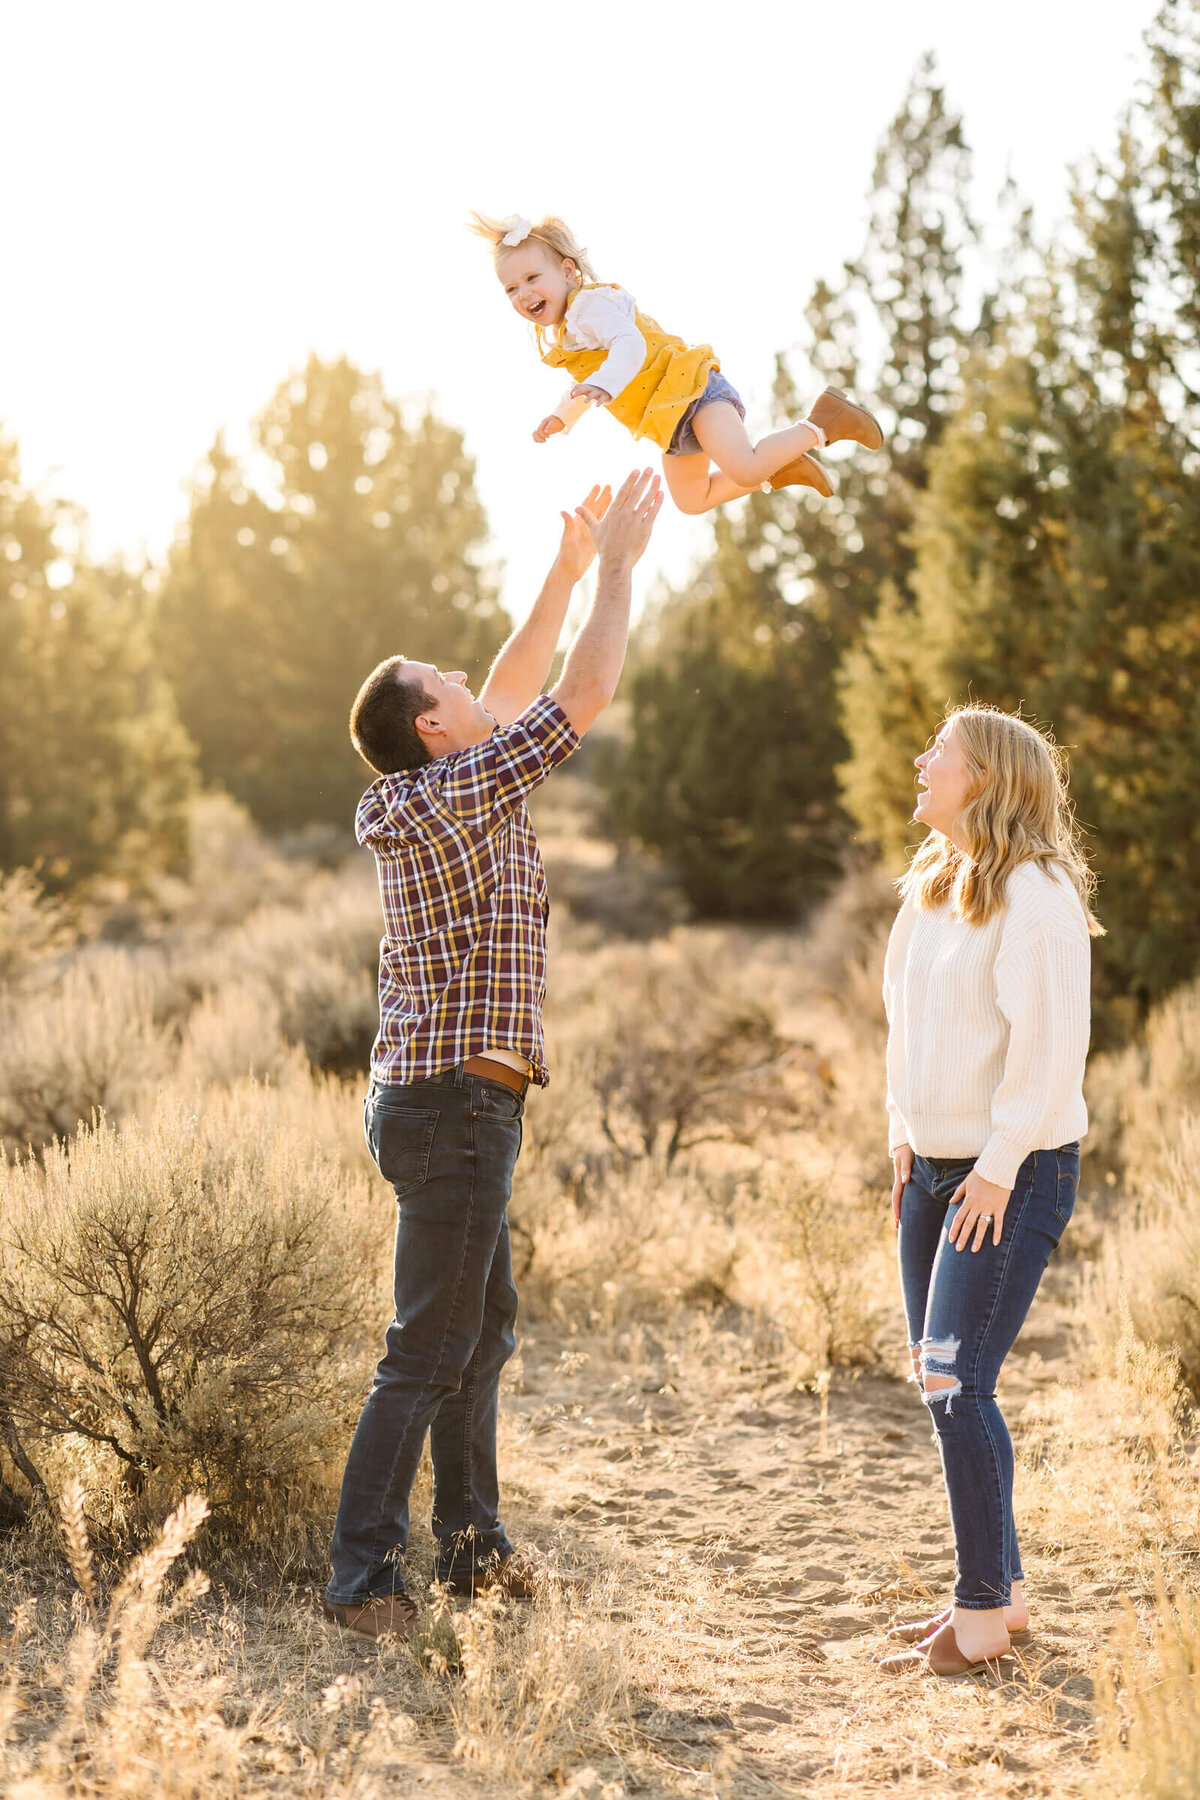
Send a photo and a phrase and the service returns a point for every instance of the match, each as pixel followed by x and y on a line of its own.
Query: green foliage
pixel 1058 544
pixel 894 331
pixel 356 537
pixel 731 772
pixel 723 769
pixel 95 769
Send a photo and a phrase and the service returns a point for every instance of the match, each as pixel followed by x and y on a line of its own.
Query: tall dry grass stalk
pixel 1149 1693
pixel 120 1731
pixel 1145 1279
pixel 549 1690
pixel 1109 1465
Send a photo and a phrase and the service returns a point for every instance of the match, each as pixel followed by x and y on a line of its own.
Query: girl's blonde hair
pixel 1017 811
pixel 549 231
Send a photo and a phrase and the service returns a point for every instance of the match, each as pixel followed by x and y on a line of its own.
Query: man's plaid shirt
pixel 462 963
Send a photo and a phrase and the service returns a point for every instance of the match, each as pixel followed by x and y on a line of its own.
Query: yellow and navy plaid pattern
pixel 462 962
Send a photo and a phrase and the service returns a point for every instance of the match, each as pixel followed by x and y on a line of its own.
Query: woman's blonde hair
pixel 549 231
pixel 1017 811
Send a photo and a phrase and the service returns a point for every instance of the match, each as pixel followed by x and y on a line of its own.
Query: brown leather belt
pixel 497 1071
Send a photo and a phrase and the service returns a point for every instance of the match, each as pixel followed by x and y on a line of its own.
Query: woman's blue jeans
pixel 448 1146
pixel 964 1310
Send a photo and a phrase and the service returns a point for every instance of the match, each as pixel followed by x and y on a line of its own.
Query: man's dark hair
pixel 383 719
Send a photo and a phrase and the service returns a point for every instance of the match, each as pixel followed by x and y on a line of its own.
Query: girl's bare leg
pixel 695 486
pixel 722 435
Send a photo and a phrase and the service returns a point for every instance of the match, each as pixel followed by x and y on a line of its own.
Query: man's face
pixel 456 720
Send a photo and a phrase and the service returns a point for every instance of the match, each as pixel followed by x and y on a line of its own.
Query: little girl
pixel 655 384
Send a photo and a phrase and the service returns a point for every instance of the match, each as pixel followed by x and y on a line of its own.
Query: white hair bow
pixel 516 230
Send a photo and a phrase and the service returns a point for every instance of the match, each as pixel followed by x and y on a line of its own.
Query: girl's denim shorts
pixel 684 441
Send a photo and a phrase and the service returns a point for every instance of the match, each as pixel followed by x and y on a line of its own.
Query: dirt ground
pixel 744 1546
pixel 814 1518
pixel 750 1543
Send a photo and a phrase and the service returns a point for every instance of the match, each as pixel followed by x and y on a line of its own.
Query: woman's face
pixel 943 784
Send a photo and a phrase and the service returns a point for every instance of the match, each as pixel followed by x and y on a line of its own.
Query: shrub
pixel 678 1051
pixel 808 1246
pixel 1138 1095
pixel 86 1041
pixel 1147 1274
pixel 313 966
pixel 176 1295
pixel 33 925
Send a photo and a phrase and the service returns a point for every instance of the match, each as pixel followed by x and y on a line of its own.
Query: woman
pixel 986 986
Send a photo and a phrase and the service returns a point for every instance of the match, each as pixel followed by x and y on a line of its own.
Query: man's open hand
pixel 622 533
pixel 576 551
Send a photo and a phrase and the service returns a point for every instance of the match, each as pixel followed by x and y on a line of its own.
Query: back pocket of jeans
pixel 403 1146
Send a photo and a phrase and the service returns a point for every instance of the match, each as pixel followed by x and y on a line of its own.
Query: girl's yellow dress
pixel 671 377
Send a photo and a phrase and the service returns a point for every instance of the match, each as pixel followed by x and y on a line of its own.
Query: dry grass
pixel 192 1288
pixel 1151 1701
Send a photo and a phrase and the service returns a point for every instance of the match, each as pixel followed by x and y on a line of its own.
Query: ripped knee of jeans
pixel 937 1377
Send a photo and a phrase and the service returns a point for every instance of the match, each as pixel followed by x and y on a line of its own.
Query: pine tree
pixel 754 822
pixel 95 769
pixel 357 537
pixel 729 701
pixel 1058 544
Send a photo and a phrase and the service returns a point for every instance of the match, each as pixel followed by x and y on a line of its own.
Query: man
pixel 461 984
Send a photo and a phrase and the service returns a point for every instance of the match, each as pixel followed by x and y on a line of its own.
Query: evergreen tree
pixel 1058 545
pixel 357 537
pixel 903 297
pixel 751 818
pixel 724 769
pixel 95 769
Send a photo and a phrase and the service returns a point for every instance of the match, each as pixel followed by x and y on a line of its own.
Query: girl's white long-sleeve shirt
pixel 602 318
pixel 988 1026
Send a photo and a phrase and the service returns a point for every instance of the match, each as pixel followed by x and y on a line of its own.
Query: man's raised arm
pixel 594 660
pixel 522 666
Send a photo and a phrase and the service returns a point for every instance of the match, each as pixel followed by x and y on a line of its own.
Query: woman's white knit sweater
pixel 989 1026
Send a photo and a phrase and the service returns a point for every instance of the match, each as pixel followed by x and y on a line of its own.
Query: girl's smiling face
pixel 536 282
pixel 945 784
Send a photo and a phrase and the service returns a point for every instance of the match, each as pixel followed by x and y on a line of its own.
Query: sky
pixel 198 197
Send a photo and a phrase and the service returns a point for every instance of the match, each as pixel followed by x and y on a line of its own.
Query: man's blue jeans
pixel 448 1146
pixel 964 1311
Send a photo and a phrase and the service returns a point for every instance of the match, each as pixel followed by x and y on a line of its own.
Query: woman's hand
pixel 983 1204
pixel 578 547
pixel 584 390
pixel 902 1163
pixel 547 428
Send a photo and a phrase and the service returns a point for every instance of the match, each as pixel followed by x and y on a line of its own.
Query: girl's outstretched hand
pixel 577 549
pixel 547 428
pixel 623 532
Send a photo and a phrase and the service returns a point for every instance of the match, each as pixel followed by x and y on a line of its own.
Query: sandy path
pixel 769 1538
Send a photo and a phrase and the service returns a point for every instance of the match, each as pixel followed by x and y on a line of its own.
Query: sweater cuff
pixel 999 1161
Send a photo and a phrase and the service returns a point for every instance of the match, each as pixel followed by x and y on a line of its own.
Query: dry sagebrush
pixel 175 1297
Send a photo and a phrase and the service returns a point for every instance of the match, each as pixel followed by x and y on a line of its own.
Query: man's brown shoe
pixel 843 421
pixel 803 471
pixel 521 1576
pixel 392 1615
